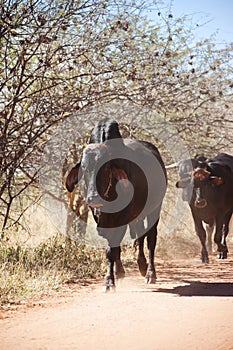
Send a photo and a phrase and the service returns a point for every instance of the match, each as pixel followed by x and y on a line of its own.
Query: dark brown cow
pixel 125 183
pixel 209 190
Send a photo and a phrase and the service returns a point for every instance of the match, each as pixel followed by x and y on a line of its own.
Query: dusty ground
pixel 190 307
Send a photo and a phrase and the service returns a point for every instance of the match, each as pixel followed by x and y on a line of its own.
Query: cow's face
pixel 99 174
pixel 204 185
pixel 201 183
pixel 200 179
pixel 190 180
pixel 95 167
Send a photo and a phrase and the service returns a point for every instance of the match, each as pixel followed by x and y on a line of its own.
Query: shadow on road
pixel 196 288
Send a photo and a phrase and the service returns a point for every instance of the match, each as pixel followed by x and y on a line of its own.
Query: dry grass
pixel 33 271
pixel 39 260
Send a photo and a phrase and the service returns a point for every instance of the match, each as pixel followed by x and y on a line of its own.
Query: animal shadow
pixel 204 289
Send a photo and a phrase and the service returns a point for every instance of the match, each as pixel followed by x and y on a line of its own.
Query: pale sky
pixel 219 14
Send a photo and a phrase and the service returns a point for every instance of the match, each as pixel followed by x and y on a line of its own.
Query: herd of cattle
pixel 110 167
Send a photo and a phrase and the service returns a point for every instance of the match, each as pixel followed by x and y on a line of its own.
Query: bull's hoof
pixel 109 284
pixel 204 256
pixel 142 265
pixel 120 272
pixel 150 280
pixel 205 259
pixel 150 277
pixel 107 289
pixel 222 255
pixel 142 272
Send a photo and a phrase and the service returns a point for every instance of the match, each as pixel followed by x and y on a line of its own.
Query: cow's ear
pixel 73 177
pixel 120 174
pixel 182 183
pixel 217 181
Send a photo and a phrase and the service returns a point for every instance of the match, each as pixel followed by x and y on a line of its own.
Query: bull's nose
pixel 94 201
pixel 200 203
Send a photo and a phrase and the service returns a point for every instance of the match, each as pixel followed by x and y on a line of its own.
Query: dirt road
pixel 190 307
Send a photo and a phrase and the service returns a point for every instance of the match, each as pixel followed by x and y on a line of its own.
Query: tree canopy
pixel 60 57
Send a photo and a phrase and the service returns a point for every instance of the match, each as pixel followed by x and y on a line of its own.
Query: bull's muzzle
pixel 94 201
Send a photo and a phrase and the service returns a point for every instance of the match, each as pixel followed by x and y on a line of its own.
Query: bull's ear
pixel 215 180
pixel 73 177
pixel 182 183
pixel 120 174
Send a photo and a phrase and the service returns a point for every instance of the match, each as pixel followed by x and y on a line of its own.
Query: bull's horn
pixel 171 166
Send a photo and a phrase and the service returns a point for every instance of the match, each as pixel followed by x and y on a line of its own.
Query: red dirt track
pixel 189 308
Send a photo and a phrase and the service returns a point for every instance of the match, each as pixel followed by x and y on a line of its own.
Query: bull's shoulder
pixel 139 145
pixel 223 159
pixel 146 148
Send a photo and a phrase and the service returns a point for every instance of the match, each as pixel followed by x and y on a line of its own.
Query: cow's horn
pixel 171 166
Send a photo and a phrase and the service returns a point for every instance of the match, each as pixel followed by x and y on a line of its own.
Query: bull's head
pixel 99 174
pixel 202 182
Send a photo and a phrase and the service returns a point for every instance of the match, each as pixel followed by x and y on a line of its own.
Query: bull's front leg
pixel 222 228
pixel 141 260
pixel 151 244
pixel 119 270
pixel 113 256
pixel 209 231
pixel 201 233
pixel 137 229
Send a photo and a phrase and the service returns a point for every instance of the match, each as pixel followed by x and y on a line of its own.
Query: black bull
pixel 208 186
pixel 125 183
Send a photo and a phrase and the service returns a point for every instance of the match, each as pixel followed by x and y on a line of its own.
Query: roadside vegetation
pixel 31 270
pixel 27 271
